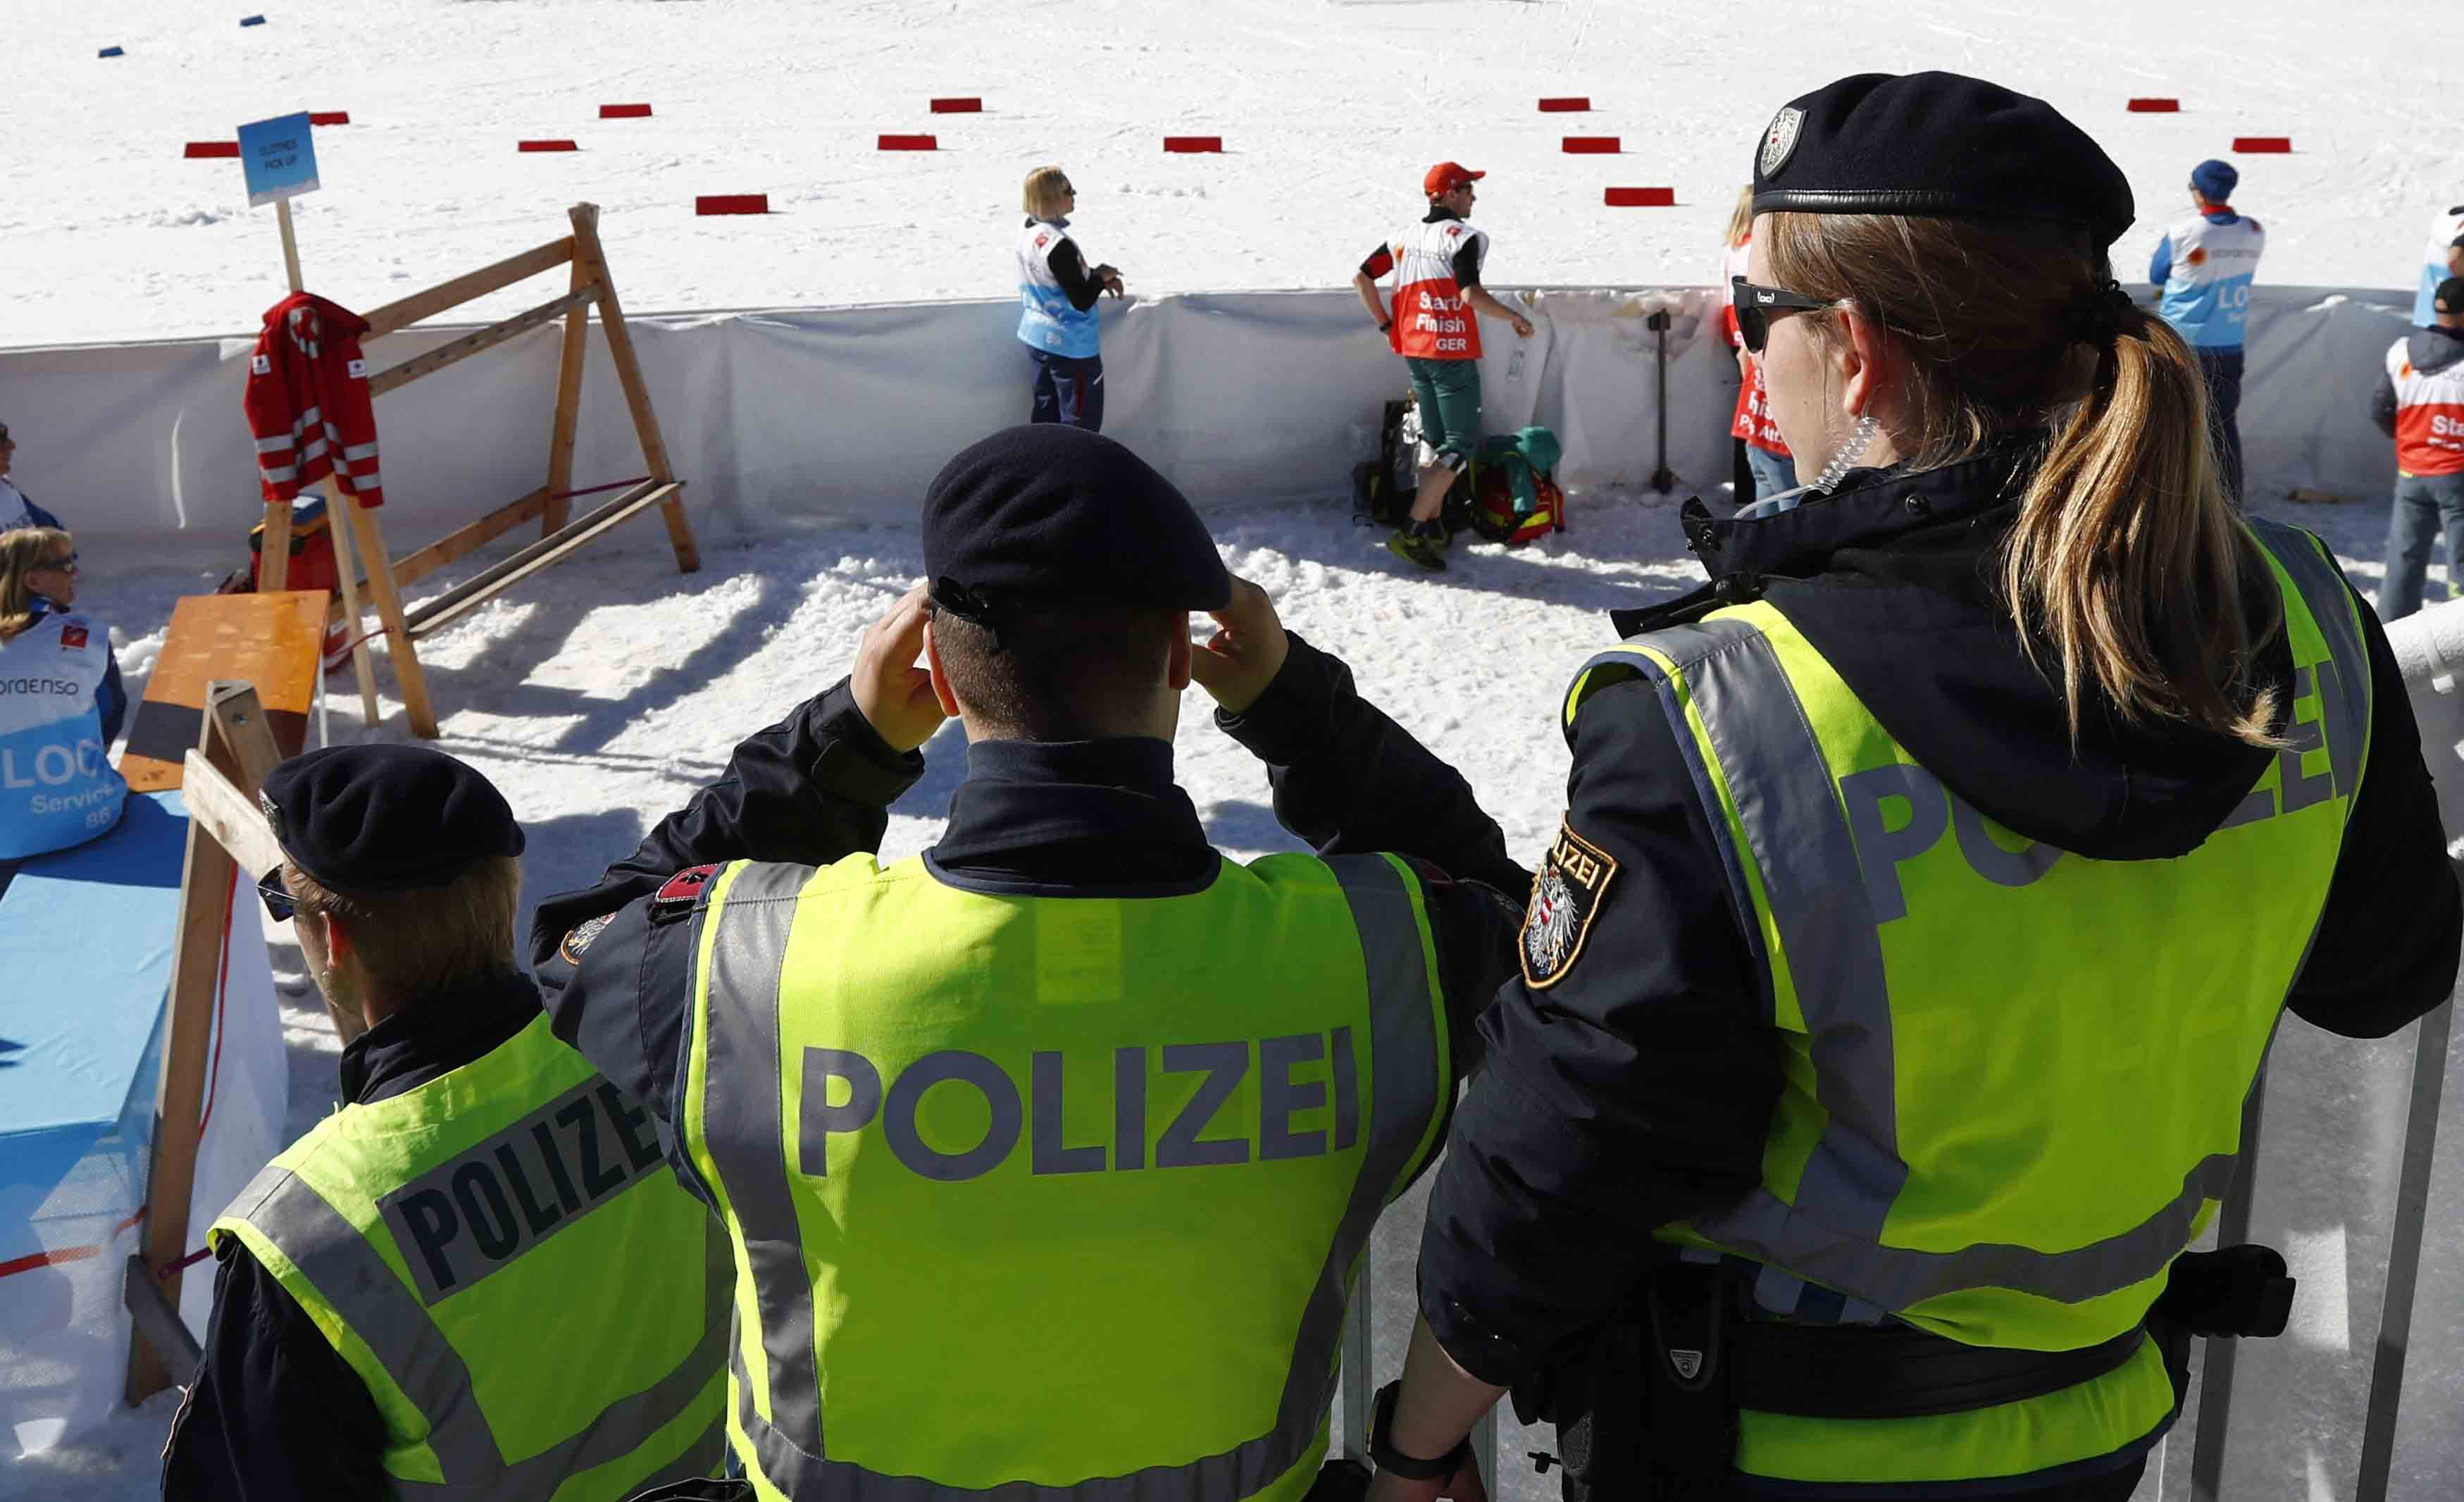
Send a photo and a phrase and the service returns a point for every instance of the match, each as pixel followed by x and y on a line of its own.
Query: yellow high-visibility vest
pixel 1052 1190
pixel 2014 1075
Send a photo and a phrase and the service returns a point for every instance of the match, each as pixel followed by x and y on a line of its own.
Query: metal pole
pixel 1662 479
pixel 2403 1254
pixel 1359 1373
pixel 2216 1377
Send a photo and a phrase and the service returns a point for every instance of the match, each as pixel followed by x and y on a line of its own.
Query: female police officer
pixel 1931 883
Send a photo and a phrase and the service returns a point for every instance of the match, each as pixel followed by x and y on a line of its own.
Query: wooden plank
pixel 346 571
pixel 499 577
pixel 154 1317
pixel 208 894
pixel 274 547
pixel 250 738
pixel 406 671
pixel 680 537
pixel 232 816
pixel 629 374
pixel 248 731
pixel 398 376
pixel 274 642
pixel 463 542
pixel 568 407
pixel 401 314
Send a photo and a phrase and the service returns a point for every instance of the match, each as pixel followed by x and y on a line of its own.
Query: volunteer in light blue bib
pixel 60 703
pixel 1058 291
pixel 2203 269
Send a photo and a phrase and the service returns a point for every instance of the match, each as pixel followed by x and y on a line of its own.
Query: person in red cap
pixel 1436 266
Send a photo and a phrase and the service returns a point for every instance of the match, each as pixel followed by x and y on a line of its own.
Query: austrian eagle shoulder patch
pixel 1564 897
pixel 578 939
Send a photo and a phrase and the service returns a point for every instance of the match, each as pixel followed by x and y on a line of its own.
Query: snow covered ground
pixel 1330 109
pixel 601 693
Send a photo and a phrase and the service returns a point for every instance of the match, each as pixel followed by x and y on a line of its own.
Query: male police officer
pixel 1048 1154
pixel 475 1280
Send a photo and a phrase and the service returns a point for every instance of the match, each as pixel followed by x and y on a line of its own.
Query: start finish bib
pixel 57 786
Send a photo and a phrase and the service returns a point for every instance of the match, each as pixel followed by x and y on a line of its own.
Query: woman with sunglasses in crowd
pixel 1931 883
pixel 60 703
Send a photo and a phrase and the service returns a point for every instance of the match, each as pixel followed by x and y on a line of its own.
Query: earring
pixel 1849 453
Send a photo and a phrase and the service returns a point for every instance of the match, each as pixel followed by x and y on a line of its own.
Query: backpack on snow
pixel 1515 501
pixel 1382 488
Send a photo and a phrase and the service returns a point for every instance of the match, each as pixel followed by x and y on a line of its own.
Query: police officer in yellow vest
pixel 1047 1155
pixel 1931 885
pixel 475 1281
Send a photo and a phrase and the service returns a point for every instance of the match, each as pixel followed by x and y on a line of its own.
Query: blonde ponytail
pixel 2128 559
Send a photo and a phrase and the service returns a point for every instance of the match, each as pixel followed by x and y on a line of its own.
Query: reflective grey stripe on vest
pixel 2321 583
pixel 1824 909
pixel 1405 1092
pixel 741 1101
pixel 382 1310
pixel 1779 782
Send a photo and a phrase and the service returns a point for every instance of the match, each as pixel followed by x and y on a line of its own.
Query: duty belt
pixel 1687 1361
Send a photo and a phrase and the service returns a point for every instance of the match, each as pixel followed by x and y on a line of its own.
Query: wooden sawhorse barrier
pixel 386 576
pixel 230 845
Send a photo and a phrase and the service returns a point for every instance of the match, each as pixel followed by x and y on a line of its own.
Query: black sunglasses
pixel 1756 307
pixel 277 897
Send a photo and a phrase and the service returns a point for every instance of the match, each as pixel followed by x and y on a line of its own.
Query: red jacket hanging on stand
pixel 308 402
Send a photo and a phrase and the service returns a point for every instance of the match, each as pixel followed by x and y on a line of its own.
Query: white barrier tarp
pixel 780 415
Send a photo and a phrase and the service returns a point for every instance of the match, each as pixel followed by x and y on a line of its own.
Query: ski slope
pixel 1330 112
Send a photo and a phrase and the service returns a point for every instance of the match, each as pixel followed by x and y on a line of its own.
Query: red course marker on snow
pixel 2155 106
pixel 332 117
pixel 210 148
pixel 623 112
pixel 548 145
pixel 1592 145
pixel 1193 143
pixel 959 106
pixel 1570 104
pixel 732 204
pixel 1642 198
pixel 910 144
pixel 2262 143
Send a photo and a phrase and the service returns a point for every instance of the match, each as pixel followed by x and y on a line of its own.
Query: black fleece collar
pixel 1079 814
pixel 1869 507
pixel 437 1036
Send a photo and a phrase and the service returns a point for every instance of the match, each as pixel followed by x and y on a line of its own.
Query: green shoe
pixel 1425 551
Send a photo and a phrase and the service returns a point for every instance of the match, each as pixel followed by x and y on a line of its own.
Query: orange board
pixel 269 640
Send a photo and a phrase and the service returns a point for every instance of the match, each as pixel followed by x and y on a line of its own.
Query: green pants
pixel 1449 396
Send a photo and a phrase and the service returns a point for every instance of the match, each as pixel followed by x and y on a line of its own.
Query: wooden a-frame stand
pixel 228 845
pixel 386 576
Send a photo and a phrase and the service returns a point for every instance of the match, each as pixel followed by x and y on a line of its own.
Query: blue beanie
pixel 2216 180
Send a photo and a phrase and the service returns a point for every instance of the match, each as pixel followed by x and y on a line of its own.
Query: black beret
pixel 386 818
pixel 1050 512
pixel 1937 145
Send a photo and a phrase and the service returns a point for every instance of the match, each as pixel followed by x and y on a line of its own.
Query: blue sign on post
pixel 279 158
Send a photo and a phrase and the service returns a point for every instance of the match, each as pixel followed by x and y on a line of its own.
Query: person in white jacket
pixel 60 703
pixel 1058 291
pixel 15 509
